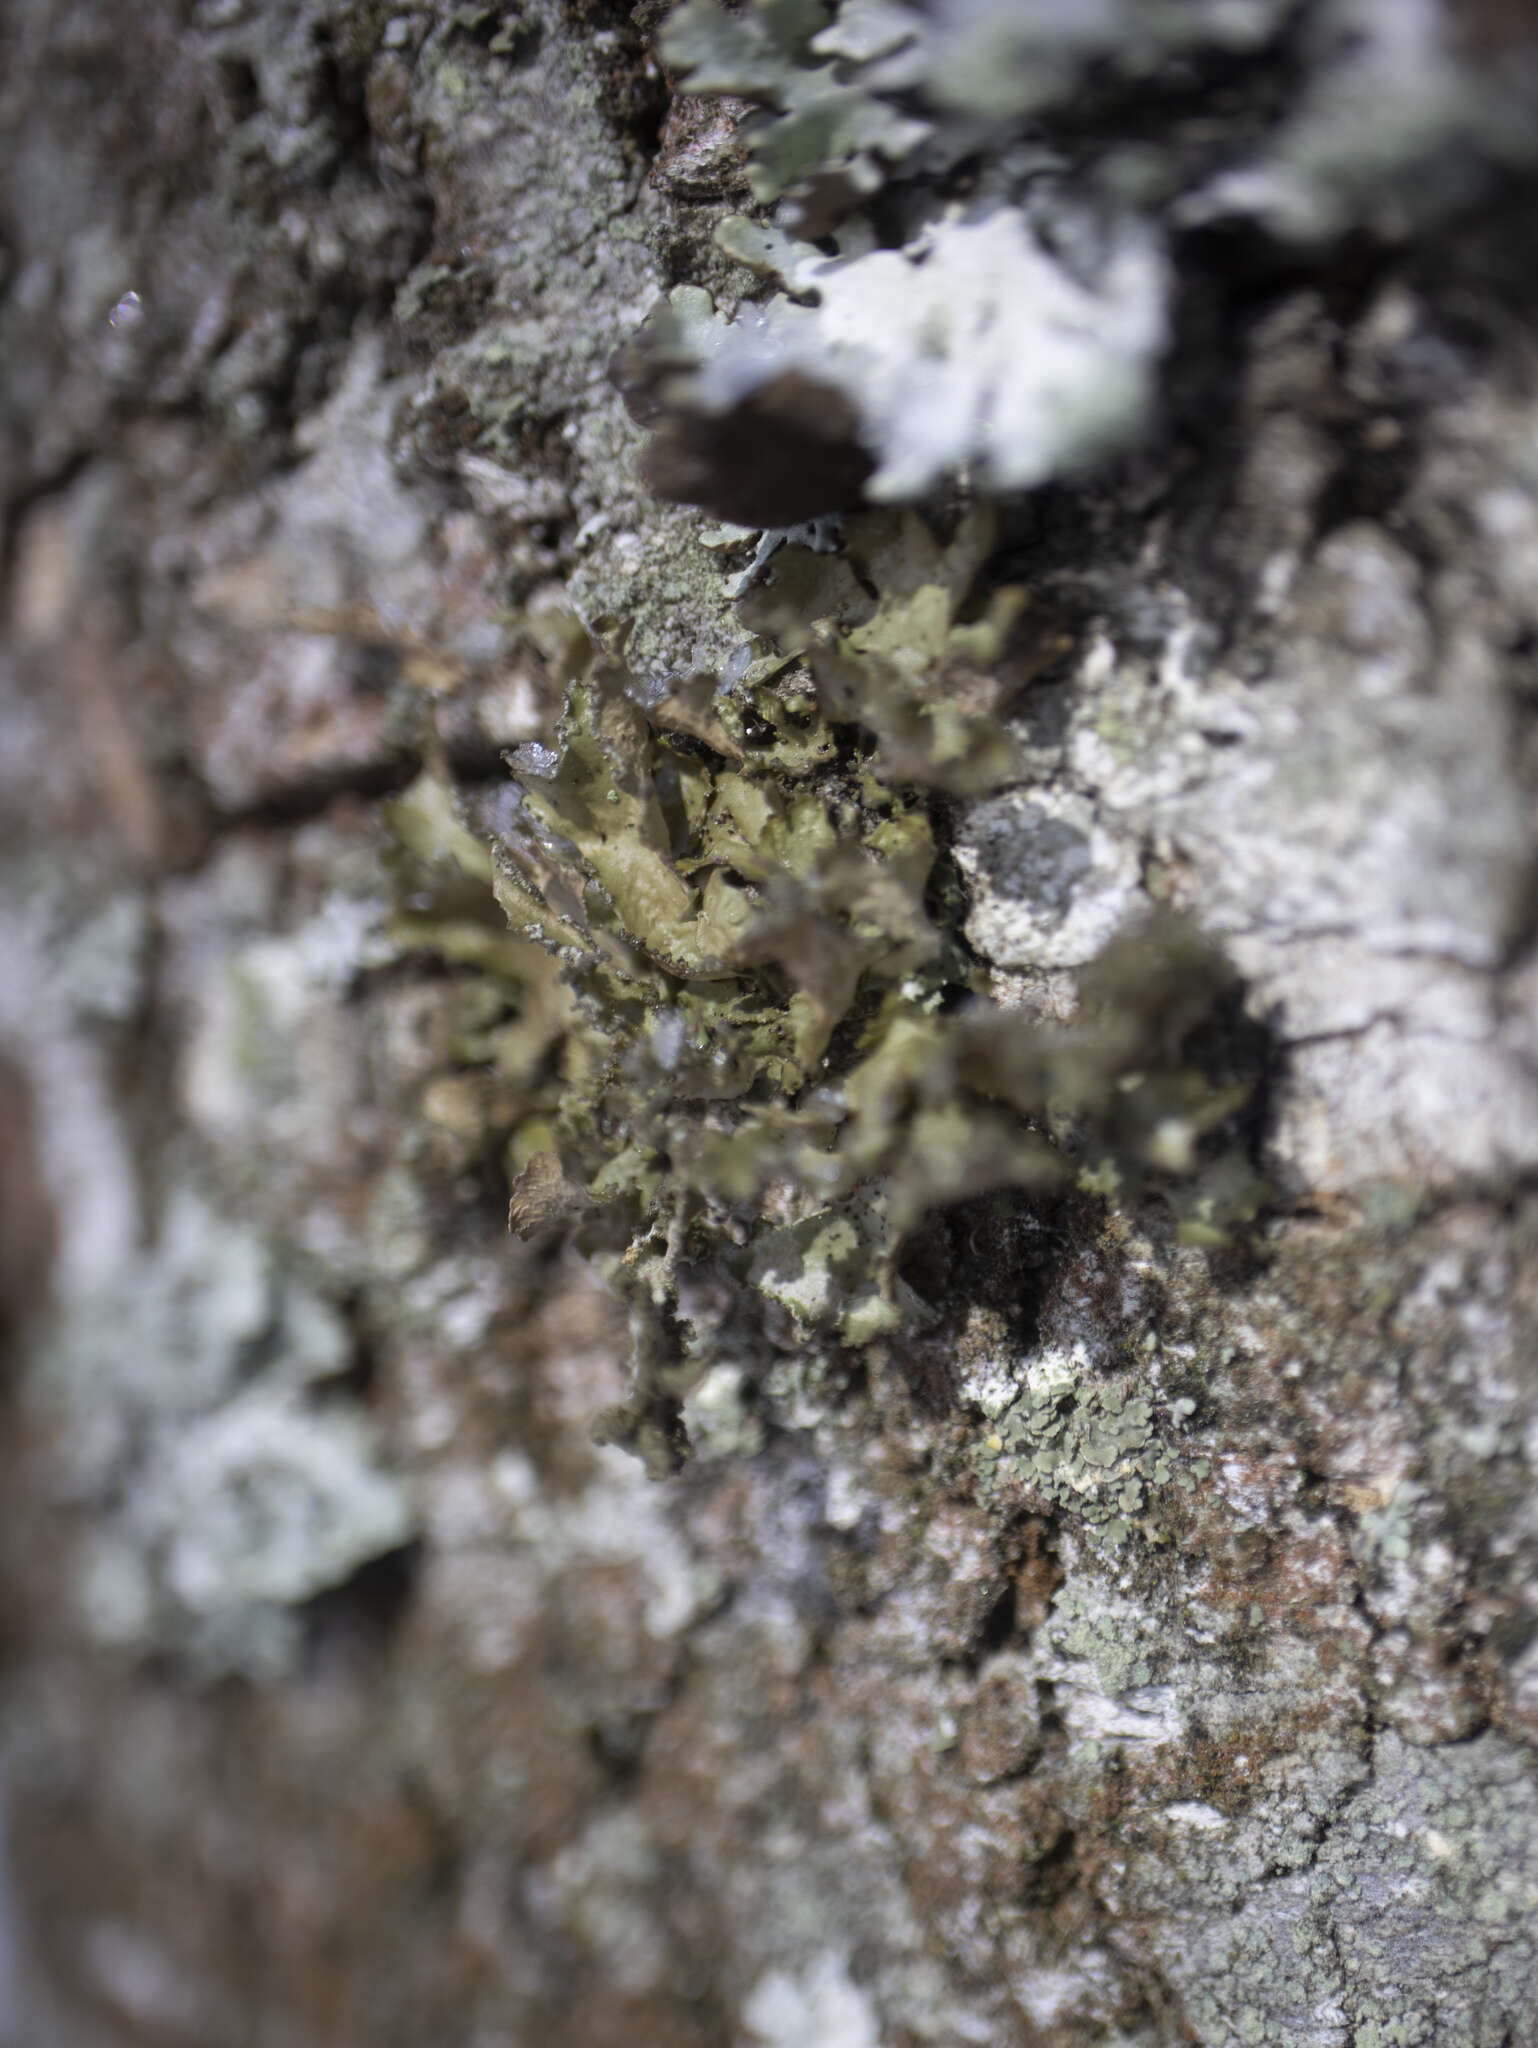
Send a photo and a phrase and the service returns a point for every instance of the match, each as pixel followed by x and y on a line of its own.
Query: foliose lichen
pixel 971 349
pixel 753 1050
pixel 847 96
pixel 747 1044
pixel 1095 1446
pixel 1002 316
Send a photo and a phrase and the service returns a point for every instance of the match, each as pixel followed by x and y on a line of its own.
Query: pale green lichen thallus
pixel 752 1050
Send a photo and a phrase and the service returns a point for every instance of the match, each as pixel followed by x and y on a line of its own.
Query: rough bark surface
pixel 1148 1654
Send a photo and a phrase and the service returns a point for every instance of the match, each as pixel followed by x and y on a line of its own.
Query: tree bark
pixel 1144 1653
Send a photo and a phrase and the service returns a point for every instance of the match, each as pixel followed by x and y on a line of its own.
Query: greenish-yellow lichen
pixel 749 1050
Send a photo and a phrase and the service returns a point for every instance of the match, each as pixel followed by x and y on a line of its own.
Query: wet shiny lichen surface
pixel 1136 1642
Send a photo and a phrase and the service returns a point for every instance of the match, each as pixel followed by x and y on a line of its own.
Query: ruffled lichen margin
pixel 768 1052
pixel 759 1054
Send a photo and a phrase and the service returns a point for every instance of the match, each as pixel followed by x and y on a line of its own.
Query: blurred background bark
pixel 349 1693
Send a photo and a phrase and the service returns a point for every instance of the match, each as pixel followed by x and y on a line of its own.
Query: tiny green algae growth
pixel 749 1048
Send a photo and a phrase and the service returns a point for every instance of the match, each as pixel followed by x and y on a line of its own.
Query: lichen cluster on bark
pixel 1071 1627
